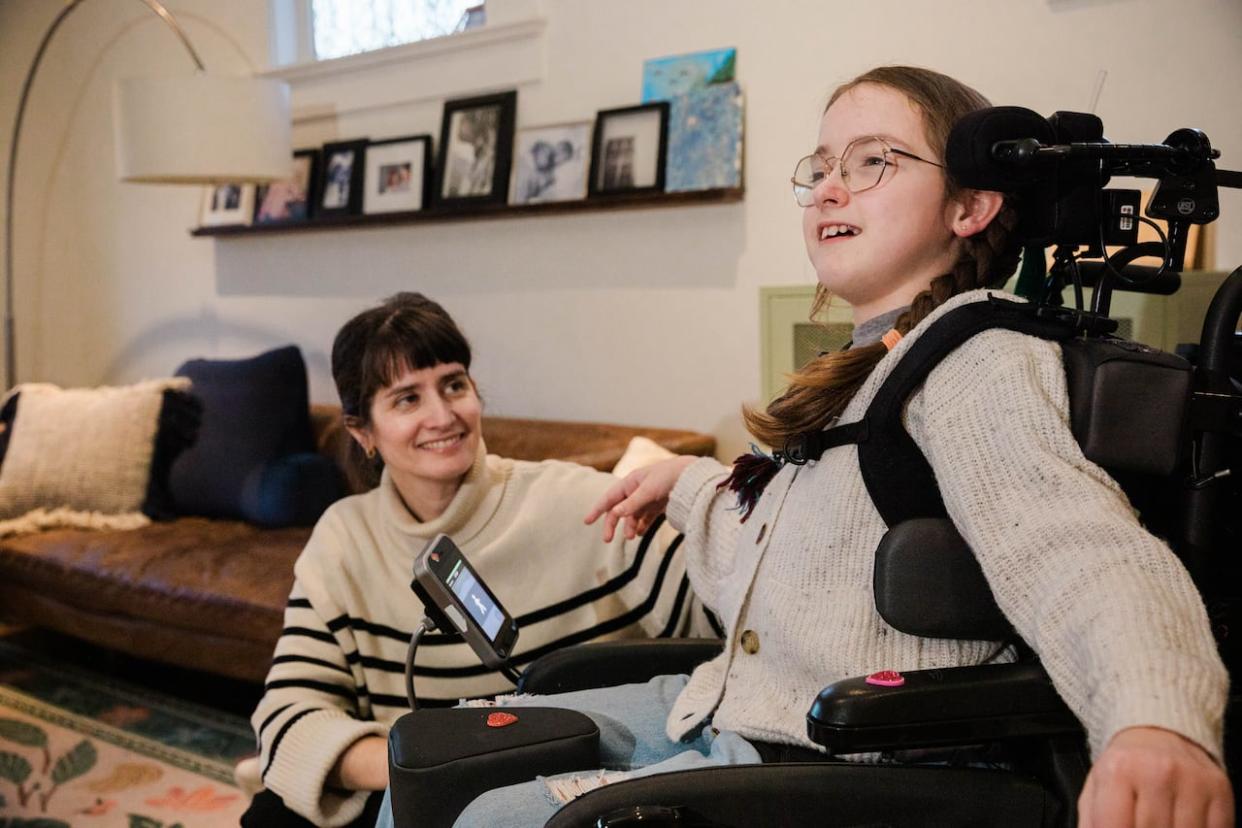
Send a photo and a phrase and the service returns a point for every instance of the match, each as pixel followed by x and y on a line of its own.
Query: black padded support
pixel 828 794
pixel 897 475
pixel 608 663
pixel 928 582
pixel 934 708
pixel 439 760
pixel 1129 404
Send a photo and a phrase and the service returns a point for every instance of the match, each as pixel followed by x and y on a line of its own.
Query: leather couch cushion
pixel 191 574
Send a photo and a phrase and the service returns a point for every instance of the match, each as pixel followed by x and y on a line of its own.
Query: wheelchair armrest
pixel 607 663
pixel 935 708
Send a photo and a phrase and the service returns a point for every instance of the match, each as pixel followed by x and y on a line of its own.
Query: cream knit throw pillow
pixel 80 457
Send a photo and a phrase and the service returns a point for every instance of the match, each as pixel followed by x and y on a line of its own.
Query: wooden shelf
pixel 436 215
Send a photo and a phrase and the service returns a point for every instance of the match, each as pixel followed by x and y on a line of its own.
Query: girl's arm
pixel 1112 613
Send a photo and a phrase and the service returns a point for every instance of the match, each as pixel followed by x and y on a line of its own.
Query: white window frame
pixel 508 51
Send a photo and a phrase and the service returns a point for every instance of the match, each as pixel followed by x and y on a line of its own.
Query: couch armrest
pixel 607 663
pixel 934 708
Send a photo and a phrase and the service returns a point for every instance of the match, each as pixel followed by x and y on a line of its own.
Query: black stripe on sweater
pixel 607 588
pixel 299 603
pixel 301 659
pixel 269 719
pixel 280 734
pixel 311 684
pixel 675 616
pixel 307 632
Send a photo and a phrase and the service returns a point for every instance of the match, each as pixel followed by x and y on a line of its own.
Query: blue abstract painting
pixel 705 139
pixel 667 77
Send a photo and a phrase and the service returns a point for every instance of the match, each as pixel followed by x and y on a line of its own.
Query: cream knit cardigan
pixel 1111 612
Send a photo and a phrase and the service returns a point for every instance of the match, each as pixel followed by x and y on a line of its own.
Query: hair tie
pixel 891 338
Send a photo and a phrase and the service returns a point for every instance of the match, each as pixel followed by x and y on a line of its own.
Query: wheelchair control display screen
pixel 458 600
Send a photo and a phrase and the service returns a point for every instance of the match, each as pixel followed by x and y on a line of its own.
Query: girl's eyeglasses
pixel 863 164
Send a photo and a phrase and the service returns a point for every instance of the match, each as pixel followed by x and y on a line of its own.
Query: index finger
pixel 614 495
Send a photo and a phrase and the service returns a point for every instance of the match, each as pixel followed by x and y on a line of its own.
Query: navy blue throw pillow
pixel 252 459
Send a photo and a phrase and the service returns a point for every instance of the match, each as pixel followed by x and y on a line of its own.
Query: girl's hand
pixel 1148 776
pixel 638 498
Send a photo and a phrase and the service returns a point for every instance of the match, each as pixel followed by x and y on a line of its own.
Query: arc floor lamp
pixel 193 129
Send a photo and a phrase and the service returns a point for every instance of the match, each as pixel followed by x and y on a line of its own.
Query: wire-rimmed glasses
pixel 864 161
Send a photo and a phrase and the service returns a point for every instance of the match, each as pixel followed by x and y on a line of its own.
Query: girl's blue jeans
pixel 631 720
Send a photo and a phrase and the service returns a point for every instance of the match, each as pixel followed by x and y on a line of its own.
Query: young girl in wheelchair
pixel 1112 614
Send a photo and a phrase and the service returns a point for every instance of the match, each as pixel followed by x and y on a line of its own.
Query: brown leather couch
pixel 210 594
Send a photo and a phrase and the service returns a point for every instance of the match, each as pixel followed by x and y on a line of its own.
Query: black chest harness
pixel 898 477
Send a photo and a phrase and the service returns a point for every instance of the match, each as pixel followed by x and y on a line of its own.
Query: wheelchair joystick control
pixel 886 678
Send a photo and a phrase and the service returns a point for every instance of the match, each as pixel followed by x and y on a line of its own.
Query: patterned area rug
pixel 79 750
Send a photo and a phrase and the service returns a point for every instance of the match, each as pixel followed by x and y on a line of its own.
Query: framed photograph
pixel 629 149
pixel 397 174
pixel 227 205
pixel 550 163
pixel 476 150
pixel 289 200
pixel 340 181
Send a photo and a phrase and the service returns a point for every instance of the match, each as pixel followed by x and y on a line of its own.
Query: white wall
pixel 644 317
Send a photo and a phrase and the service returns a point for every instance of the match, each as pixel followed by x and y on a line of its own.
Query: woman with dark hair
pixel 402 371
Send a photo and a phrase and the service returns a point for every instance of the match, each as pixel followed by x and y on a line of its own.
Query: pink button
pixel 500 719
pixel 886 678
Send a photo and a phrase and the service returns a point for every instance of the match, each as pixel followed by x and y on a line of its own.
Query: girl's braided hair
pixel 819 391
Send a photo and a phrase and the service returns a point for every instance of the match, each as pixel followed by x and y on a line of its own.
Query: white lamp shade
pixel 201 129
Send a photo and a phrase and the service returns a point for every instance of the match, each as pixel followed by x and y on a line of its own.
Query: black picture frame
pixel 612 163
pixel 339 190
pixel 409 155
pixel 460 173
pixel 286 208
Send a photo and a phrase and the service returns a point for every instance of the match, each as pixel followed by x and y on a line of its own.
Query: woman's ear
pixel 361 434
pixel 973 210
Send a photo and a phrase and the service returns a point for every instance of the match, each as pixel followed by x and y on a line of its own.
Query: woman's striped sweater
pixel 338 671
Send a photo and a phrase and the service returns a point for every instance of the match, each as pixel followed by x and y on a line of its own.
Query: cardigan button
pixel 763 530
pixel 750 642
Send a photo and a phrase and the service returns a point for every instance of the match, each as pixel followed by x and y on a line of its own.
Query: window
pixel 348 27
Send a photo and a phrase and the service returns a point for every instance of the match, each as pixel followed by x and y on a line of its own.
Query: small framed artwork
pixel 628 150
pixel 551 163
pixel 340 189
pixel 227 205
pixel 476 150
pixel 396 177
pixel 288 200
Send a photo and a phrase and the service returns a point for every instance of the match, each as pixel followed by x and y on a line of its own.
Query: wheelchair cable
pixel 424 627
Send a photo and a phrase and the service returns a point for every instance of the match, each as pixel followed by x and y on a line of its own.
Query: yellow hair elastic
pixel 891 338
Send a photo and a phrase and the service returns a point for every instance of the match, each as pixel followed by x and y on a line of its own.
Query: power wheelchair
pixel 1168 428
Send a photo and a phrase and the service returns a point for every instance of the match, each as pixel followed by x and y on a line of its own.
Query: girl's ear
pixel 973 210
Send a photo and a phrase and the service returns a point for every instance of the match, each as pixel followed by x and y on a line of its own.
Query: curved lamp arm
pixel 264 169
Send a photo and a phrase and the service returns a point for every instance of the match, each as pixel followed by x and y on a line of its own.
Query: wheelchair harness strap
pixel 898 477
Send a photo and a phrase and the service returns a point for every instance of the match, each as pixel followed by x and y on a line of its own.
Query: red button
pixel 886 678
pixel 500 719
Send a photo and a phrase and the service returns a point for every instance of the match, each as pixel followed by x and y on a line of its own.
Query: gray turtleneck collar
pixel 870 332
